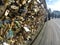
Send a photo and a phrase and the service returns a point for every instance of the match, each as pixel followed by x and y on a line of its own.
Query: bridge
pixel 27 22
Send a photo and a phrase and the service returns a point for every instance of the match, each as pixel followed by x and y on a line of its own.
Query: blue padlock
pixel 10 34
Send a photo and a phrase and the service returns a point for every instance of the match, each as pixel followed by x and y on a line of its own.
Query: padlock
pixel 17 24
pixel 7 12
pixel 10 34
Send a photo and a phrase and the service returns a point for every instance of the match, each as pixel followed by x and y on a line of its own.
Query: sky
pixel 53 4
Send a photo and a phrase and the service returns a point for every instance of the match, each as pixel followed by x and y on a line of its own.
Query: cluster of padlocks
pixel 20 21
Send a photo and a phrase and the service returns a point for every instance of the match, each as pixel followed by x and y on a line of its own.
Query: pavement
pixel 50 34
